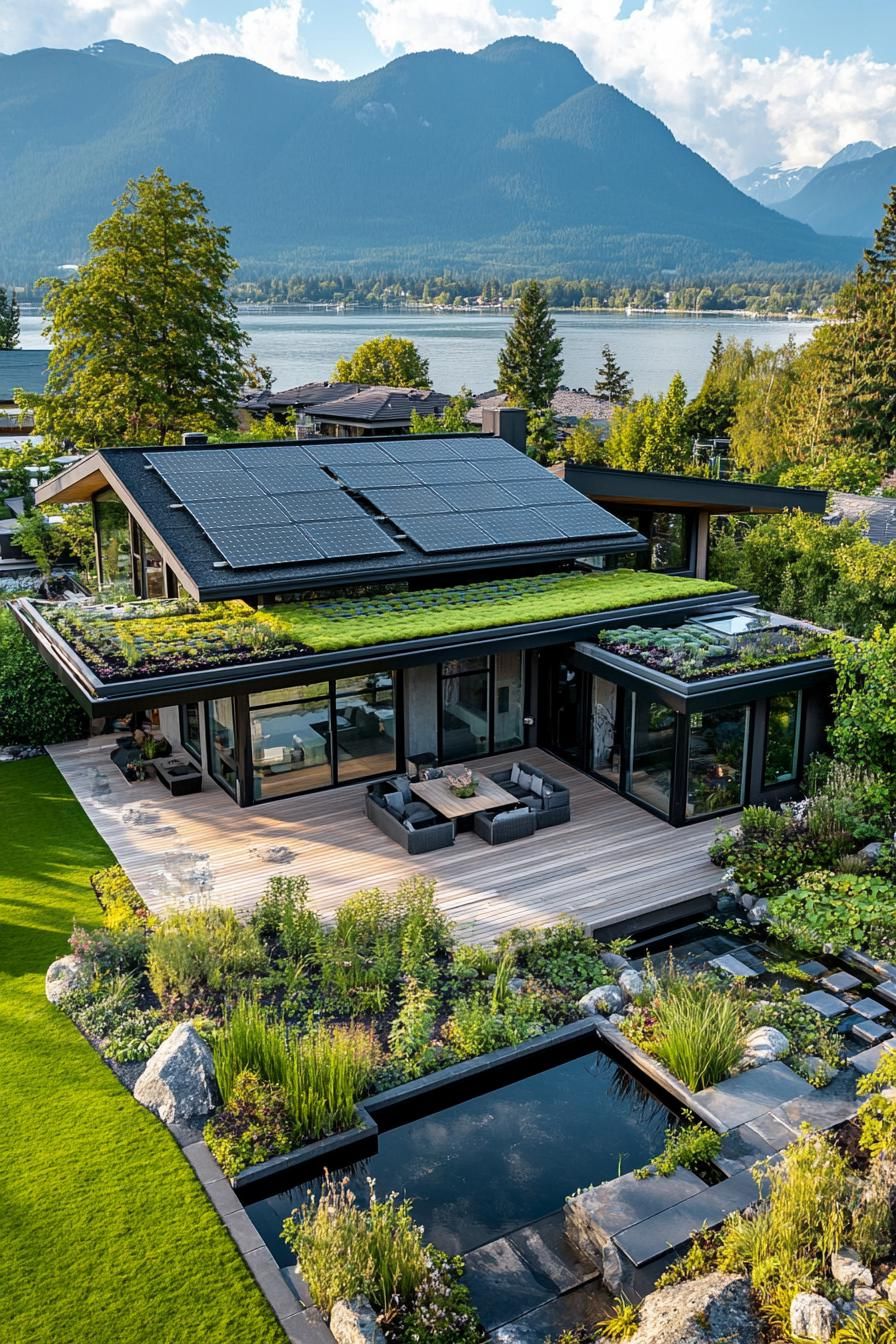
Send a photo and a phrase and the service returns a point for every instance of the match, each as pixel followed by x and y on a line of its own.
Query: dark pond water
pixel 478 1170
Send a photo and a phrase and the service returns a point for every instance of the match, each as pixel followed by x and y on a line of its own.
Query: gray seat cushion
pixel 417 812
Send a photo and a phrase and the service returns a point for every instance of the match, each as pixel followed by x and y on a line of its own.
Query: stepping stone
pixel 770 1129
pixel 870 1008
pixel 813 968
pixel 826 1107
pixel 846 1024
pixel 741 1099
pixel 621 1202
pixel 840 981
pixel 667 1231
pixel 870 1032
pixel 732 965
pixel 868 1060
pixel 501 1284
pixel 822 1002
pixel 546 1251
pixel 887 992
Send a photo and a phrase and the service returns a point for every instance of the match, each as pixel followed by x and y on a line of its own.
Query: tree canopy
pixel 144 337
pixel 530 366
pixel 453 419
pixel 391 360
pixel 652 433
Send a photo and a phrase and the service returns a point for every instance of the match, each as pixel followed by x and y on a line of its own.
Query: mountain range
pixel 846 197
pixel 773 184
pixel 509 160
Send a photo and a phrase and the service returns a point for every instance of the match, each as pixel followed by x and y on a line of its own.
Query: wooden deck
pixel 612 861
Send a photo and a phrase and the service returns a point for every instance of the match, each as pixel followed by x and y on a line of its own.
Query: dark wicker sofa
pixel 541 794
pixel 413 825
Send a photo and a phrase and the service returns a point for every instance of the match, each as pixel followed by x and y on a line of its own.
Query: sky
pixel 743 82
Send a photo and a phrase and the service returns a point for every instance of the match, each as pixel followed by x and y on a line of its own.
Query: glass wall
pixel 606 705
pixel 189 729
pixel 652 751
pixel 149 565
pixel 365 726
pixel 717 757
pixel 221 725
pixel 114 543
pixel 508 725
pixel 465 709
pixel 668 541
pixel 782 740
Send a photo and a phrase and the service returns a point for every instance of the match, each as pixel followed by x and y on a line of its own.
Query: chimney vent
pixel 506 422
pixel 193 440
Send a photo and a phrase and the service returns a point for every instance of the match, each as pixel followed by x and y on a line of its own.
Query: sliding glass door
pixel 480 706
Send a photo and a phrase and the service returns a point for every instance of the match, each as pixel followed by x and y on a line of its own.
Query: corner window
pixel 190 735
pixel 782 737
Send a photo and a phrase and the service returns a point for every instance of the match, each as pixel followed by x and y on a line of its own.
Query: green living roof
pixel 156 638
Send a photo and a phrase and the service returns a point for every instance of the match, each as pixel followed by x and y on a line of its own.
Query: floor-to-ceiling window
pixel 508 690
pixel 668 540
pixel 481 706
pixel 190 735
pixel 606 730
pixel 717 758
pixel 652 751
pixel 780 763
pixel 221 721
pixel 113 531
pixel 149 566
pixel 365 726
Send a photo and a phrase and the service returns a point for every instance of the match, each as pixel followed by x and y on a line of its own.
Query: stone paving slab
pixel 887 992
pixel 742 1098
pixel 771 1129
pixel 846 1024
pixel 828 1005
pixel 824 1106
pixel 306 1327
pixel 622 1202
pixel 867 1060
pixel 813 968
pixel 870 1033
pixel 502 1285
pixel 545 1249
pixel 674 1227
pixel 583 1306
pixel 733 965
pixel 870 1008
pixel 838 982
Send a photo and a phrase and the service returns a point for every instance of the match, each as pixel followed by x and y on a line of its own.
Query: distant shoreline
pixel 429 310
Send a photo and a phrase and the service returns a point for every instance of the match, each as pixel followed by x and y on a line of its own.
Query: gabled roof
pixel 22 368
pixel 281 517
pixel 876 513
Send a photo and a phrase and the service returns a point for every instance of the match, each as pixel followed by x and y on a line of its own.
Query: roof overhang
pixel 654 489
pixel 104 698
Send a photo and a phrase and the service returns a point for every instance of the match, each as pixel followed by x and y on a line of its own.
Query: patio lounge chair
pixel 413 825
pixel 497 827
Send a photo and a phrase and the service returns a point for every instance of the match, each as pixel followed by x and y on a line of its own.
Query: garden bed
pixel 694 651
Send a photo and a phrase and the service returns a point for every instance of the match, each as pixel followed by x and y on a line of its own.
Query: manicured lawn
pixel 105 1235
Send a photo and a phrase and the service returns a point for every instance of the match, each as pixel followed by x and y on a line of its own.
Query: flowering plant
pixel 463 783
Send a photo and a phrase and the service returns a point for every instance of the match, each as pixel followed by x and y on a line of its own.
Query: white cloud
pixel 270 34
pixel 678 59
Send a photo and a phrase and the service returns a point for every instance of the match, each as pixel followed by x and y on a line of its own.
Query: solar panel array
pixel 277 505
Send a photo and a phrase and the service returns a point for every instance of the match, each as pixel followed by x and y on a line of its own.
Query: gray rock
pixel 747 900
pixel 847 1268
pixel 726 903
pixel 734 889
pixel 864 1295
pixel 516 984
pixel 64 975
pixel 616 1019
pixel 814 1064
pixel 758 914
pixel 178 1082
pixel 765 1044
pixel 718 1307
pixel 354 1321
pixel 813 1317
pixel 871 852
pixel 631 984
pixel 603 999
pixel 614 962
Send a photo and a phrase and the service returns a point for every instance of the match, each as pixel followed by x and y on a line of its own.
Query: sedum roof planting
pixel 155 638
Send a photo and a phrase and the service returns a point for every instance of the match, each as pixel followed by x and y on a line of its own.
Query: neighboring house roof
pixel 302 397
pixel 877 514
pixel 381 405
pixel 569 403
pixel 22 368
pixel 281 517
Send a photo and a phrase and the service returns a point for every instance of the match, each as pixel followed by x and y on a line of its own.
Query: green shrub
pixel 563 957
pixel 621 1322
pixel 344 1250
pixel 474 1028
pixel 282 917
pixel 99 1008
pixel 110 951
pixel 877 1126
pixel 882 1077
pixel 765 859
pixel 699 1033
pixel 202 953
pixel 470 965
pixel 872 1221
pixel 873 1324
pixel 35 707
pixel 253 1126
pixel 411 1034
pixel 137 1035
pixel 248 1042
pixel 840 909
pixel 328 1069
pixel 690 1145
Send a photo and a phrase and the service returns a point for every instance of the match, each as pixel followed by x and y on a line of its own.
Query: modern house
pixel 322 613
pixel 353 410
pixel 19 368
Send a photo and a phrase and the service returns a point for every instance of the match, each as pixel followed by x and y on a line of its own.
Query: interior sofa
pixel 542 795
pixel 414 825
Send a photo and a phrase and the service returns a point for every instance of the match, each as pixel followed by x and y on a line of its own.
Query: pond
pixel 481 1168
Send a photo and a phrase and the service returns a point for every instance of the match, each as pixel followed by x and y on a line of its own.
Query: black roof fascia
pixel 109 697
pixel 655 488
pixel 755 683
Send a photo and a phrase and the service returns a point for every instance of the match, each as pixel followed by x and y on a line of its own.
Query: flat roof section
pixel 656 489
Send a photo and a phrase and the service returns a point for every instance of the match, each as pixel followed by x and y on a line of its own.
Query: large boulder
pixel 847 1268
pixel 178 1082
pixel 764 1045
pixel 354 1321
pixel 64 975
pixel 813 1317
pixel 604 999
pixel 716 1308
pixel 631 984
pixel 614 962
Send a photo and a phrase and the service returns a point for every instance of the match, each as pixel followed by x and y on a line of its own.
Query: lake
pixel 462 348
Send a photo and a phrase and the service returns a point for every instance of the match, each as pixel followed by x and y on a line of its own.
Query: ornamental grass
pixel 699 1033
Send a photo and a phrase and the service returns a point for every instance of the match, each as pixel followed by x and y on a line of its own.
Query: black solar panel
pixel 444 532
pixel 489 447
pixel 407 501
pixel 357 475
pixel 287 454
pixel 343 453
pixel 446 473
pixel 202 485
pixel 282 479
pixel 508 527
pixel 415 448
pixel 581 519
pixel 545 491
pixel 192 459
pixel 361 537
pixel 316 506
pixel 471 498
pixel 514 468
pixel 246 548
pixel 255 511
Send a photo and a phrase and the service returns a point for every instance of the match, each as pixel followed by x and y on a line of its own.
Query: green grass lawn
pixel 105 1234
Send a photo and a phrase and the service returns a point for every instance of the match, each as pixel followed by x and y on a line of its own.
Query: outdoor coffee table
pixel 178 774
pixel 437 793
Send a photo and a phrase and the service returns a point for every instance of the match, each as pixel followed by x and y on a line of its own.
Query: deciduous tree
pixel 390 360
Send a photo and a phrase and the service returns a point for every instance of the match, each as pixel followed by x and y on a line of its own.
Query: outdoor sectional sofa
pixel 414 825
pixel 541 794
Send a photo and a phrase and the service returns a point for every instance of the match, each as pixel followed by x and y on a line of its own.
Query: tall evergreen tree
pixel 9 319
pixel 612 381
pixel 145 342
pixel 872 398
pixel 715 354
pixel 530 366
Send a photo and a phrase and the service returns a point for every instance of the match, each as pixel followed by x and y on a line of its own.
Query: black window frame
pixel 489 669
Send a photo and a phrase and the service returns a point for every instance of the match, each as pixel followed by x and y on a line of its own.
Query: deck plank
pixel 611 861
